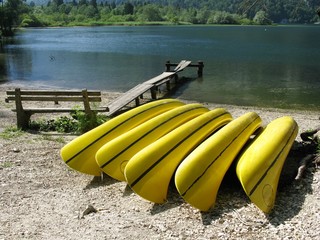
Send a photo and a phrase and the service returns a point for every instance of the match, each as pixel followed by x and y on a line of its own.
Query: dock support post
pixel 168 86
pixel 137 101
pixel 176 78
pixel 168 66
pixel 153 92
pixel 200 68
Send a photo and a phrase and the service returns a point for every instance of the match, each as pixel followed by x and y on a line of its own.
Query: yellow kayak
pixel 79 154
pixel 199 176
pixel 149 171
pixel 114 155
pixel 260 165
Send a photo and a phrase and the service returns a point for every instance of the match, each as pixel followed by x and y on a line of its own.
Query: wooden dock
pixel 152 84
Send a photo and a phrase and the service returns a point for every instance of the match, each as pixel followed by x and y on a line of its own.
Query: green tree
pixel 10 15
pixel 189 15
pixel 83 2
pixel 261 18
pixel 93 3
pixel 128 9
pixel 58 2
pixel 203 16
pixel 113 5
pixel 151 13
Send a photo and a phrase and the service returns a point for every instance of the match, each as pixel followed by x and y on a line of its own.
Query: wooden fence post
pixel 22 117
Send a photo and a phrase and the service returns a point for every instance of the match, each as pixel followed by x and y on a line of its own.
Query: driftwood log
pixel 309 136
pixel 312 155
pixel 302 155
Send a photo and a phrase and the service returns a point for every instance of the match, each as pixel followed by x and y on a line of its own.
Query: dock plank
pixel 135 92
pixel 140 89
pixel 182 65
pixel 160 77
pixel 128 97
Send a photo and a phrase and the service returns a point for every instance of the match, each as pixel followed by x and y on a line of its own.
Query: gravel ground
pixel 41 198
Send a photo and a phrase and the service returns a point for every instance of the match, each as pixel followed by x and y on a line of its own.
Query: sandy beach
pixel 41 198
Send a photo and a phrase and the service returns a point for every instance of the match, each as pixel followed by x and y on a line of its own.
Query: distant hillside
pixel 278 11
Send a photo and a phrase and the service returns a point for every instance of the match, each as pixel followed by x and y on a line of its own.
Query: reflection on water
pixel 262 66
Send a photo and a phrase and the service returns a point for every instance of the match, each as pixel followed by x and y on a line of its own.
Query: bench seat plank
pixel 59 110
pixel 54 92
pixel 53 98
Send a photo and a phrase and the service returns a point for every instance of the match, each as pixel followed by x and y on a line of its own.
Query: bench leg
pixel 23 119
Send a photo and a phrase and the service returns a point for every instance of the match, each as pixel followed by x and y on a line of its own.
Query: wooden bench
pixel 55 96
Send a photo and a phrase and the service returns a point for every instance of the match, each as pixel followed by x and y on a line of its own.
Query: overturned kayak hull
pixel 199 176
pixel 260 165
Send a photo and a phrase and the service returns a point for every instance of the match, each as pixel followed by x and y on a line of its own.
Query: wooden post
pixel 176 78
pixel 153 92
pixel 168 66
pixel 137 101
pixel 168 85
pixel 200 68
pixel 86 103
pixel 22 117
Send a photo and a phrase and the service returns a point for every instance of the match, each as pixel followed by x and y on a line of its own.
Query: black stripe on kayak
pixel 214 160
pixel 144 135
pixel 93 142
pixel 272 164
pixel 173 148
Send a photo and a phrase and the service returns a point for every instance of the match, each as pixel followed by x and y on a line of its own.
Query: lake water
pixel 244 65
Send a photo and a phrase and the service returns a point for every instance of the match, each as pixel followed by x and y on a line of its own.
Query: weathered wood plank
pixel 54 98
pixel 128 97
pixel 54 92
pixel 58 110
pixel 150 84
pixel 182 65
pixel 164 75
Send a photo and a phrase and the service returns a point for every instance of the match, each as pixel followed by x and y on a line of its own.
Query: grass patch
pixel 50 138
pixel 6 165
pixel 11 132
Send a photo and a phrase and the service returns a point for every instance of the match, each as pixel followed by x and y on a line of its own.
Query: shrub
pixel 31 21
pixel 78 122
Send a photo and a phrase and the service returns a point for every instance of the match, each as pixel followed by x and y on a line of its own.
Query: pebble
pixel 16 150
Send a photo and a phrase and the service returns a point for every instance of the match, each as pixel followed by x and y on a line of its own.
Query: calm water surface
pixel 259 66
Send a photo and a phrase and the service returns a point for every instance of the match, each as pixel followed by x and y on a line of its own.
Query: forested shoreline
pixel 18 13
